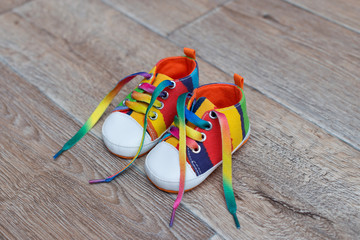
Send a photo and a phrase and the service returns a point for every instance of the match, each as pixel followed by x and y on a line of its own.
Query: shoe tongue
pixel 202 105
pixel 159 78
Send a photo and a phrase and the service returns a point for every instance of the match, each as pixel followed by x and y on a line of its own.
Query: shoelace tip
pixel 97 181
pixel 58 154
pixel 172 217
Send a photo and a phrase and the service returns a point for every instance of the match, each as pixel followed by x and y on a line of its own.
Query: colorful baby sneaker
pixel 123 129
pixel 138 122
pixel 208 128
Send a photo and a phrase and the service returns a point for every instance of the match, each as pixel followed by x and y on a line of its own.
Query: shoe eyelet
pixel 203 137
pixel 161 107
pixel 154 117
pixel 166 95
pixel 150 76
pixel 212 115
pixel 173 85
pixel 197 150
pixel 210 127
pixel 123 102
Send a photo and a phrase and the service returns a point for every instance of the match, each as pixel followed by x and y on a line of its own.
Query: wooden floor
pixel 298 177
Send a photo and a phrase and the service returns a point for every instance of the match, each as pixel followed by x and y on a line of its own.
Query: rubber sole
pixel 171 191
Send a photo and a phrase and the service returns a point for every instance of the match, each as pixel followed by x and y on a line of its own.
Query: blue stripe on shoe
pixel 199 161
pixel 197 104
pixel 188 83
pixel 239 109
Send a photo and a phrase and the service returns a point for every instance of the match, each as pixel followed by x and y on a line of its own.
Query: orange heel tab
pixel 190 53
pixel 239 80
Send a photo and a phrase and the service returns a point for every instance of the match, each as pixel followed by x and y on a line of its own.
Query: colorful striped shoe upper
pixel 152 103
pixel 175 69
pixel 206 132
pixel 202 106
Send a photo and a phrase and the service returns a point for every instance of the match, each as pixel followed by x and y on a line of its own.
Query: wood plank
pixel 88 63
pixel 6 5
pixel 291 179
pixel 45 199
pixel 216 237
pixel 163 16
pixel 302 61
pixel 346 13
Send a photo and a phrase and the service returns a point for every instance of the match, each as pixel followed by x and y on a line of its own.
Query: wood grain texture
pixel 292 180
pixel 216 237
pixel 345 13
pixel 91 56
pixel 6 5
pixel 45 199
pixel 304 62
pixel 164 16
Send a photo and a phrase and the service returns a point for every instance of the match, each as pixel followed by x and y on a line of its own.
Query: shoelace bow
pixel 144 100
pixel 188 137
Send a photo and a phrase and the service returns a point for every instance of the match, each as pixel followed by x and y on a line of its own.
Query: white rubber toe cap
pixel 163 169
pixel 122 135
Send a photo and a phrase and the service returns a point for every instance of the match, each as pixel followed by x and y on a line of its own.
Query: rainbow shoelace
pixel 146 94
pixel 156 92
pixel 188 137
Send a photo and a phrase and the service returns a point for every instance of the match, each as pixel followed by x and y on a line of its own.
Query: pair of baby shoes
pixel 188 130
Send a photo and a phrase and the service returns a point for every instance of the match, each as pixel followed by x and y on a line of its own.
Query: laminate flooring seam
pixel 313 121
pixel 323 17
